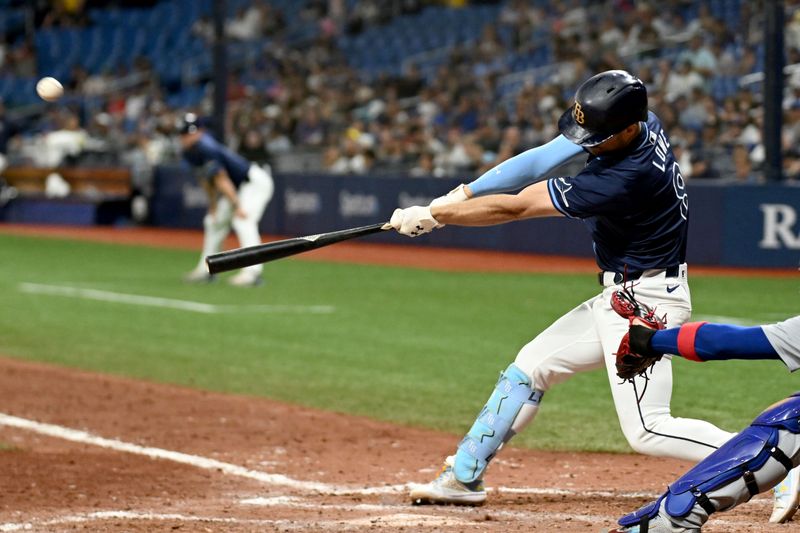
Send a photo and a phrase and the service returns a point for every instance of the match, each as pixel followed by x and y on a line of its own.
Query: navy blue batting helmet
pixel 605 104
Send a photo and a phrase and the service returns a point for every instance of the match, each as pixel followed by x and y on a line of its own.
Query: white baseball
pixel 49 89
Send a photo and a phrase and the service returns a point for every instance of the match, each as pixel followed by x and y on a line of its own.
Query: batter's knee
pixel 642 442
pixel 529 361
pixel 544 378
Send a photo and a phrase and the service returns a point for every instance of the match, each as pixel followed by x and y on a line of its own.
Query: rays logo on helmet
pixel 579 115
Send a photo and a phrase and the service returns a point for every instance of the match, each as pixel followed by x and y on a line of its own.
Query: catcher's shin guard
pixel 751 462
pixel 493 426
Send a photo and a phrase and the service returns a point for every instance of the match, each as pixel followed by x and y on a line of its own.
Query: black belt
pixel 619 277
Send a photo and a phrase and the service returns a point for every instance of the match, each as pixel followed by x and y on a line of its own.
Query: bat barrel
pixel 253 255
pixel 244 257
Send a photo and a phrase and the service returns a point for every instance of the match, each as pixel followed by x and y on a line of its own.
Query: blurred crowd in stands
pixel 307 103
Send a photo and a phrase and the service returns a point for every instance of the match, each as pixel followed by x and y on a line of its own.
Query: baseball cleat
pixel 246 279
pixel 199 275
pixel 786 498
pixel 447 490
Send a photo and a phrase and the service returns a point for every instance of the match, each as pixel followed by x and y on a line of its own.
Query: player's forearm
pixel 485 211
pixel 708 342
pixel 525 168
pixel 533 202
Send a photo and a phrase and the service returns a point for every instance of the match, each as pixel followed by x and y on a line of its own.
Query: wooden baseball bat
pixel 262 253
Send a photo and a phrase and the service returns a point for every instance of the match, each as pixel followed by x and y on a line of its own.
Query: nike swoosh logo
pixel 672 289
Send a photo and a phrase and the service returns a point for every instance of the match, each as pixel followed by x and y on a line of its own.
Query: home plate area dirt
pixel 89 452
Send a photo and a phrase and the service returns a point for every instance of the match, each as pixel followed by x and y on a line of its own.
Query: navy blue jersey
pixel 634 202
pixel 212 156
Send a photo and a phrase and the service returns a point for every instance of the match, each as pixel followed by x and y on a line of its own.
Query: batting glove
pixel 459 194
pixel 413 221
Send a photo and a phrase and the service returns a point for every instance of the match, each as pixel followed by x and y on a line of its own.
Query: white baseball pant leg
pixel 215 228
pixel 587 338
pixel 254 195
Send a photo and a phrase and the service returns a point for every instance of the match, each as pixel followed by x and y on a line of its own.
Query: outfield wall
pixel 733 225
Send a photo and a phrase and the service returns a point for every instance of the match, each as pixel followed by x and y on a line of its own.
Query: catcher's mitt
pixel 634 355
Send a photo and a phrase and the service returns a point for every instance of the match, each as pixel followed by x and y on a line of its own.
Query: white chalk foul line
pixel 299 503
pixel 205 463
pixel 402 519
pixel 169 303
pixel 84 437
pixel 394 520
pixel 522 516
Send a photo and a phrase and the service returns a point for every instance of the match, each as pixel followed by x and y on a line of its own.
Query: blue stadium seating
pixel 162 34
pixel 385 48
pixel 12 20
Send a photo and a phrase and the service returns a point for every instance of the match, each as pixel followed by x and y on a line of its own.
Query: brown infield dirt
pixel 92 452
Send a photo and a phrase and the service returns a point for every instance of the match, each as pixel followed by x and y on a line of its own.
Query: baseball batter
pixel 631 197
pixel 238 192
pixel 752 461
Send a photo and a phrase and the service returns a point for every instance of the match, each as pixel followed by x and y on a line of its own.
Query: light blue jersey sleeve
pixel 526 168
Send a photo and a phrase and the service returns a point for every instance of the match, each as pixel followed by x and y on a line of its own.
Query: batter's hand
pixel 459 194
pixel 413 221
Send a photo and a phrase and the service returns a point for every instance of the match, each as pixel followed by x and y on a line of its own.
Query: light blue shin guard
pixel 493 426
pixel 733 471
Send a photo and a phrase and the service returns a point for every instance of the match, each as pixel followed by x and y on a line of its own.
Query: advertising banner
pixel 728 225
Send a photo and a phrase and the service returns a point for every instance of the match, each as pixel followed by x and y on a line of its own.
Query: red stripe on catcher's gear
pixel 686 337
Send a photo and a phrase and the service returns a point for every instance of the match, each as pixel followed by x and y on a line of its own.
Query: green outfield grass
pixel 410 346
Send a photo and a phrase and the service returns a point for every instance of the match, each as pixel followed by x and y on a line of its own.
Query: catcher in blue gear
pixel 754 460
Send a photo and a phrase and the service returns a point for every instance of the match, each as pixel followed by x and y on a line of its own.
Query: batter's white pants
pixel 587 337
pixel 254 195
